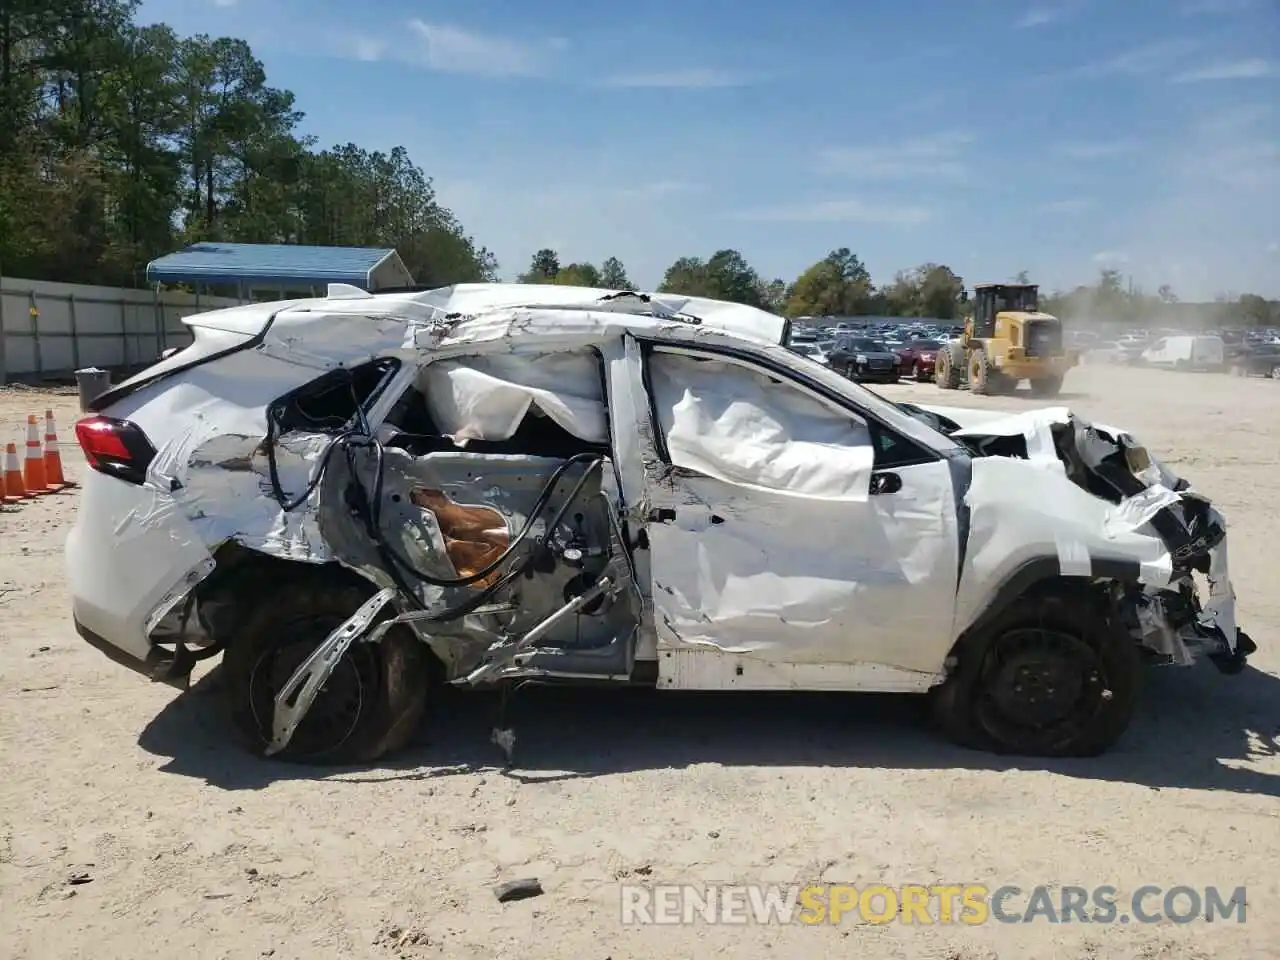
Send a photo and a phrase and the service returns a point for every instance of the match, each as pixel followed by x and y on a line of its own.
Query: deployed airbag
pixel 730 423
pixel 487 397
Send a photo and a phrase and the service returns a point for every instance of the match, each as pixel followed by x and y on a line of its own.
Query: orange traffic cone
pixel 52 458
pixel 14 487
pixel 33 466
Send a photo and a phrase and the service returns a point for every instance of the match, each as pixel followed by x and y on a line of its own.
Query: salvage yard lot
pixel 191 848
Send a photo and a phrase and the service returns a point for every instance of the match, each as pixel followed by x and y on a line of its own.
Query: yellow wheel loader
pixel 1005 341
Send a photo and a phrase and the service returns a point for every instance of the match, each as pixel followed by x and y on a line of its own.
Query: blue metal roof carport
pixel 281 267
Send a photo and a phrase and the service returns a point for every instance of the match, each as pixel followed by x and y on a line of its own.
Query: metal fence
pixel 48 330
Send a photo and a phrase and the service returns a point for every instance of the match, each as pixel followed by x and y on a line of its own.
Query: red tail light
pixel 117 448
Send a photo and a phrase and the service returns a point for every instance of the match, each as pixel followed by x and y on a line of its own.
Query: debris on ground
pixel 518 890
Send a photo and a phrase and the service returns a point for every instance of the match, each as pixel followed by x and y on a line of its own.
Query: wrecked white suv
pixel 357 498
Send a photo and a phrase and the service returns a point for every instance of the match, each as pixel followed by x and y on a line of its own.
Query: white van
pixel 1187 353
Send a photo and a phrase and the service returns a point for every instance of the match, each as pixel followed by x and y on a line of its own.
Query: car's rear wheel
pixel 372 703
pixel 1051 677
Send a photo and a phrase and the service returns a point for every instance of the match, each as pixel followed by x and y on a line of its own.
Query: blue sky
pixel 1055 136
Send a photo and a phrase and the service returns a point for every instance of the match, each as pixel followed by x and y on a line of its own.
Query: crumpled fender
pixel 1022 509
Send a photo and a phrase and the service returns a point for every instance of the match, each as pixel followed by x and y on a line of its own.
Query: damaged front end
pixel 1175 619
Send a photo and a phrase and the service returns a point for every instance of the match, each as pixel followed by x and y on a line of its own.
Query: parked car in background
pixel 1113 351
pixel 1108 351
pixel 1083 339
pixel 812 351
pixel 861 358
pixel 1134 344
pixel 1186 353
pixel 1257 360
pixel 916 358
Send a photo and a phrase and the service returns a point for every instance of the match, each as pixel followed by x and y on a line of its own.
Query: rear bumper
pixel 144 665
pixel 130 557
pixel 157 664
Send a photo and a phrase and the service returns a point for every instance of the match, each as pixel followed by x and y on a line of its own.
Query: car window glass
pixel 894 450
pixel 741 425
pixel 330 403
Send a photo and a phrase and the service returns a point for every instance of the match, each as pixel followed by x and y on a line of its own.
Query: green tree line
pixel 122 141
pixel 839 285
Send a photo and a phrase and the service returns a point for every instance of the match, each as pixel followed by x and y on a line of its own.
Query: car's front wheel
pixel 372 703
pixel 1052 676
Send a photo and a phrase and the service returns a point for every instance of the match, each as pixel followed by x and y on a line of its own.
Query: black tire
pixel 371 706
pixel 1046 386
pixel 1275 372
pixel 1067 648
pixel 948 368
pixel 979 372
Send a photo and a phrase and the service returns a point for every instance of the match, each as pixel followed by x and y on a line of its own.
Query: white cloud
pixel 687 78
pixel 938 157
pixel 1252 69
pixel 1094 149
pixel 656 189
pixel 1073 205
pixel 1228 150
pixel 1042 15
pixel 1111 258
pixel 1210 207
pixel 451 49
pixel 647 224
pixel 1193 8
pixel 839 211
pixel 367 49
pixel 1243 166
pixel 1141 60
pixel 225 4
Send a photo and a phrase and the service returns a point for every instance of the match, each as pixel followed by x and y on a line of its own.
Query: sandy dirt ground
pixel 185 847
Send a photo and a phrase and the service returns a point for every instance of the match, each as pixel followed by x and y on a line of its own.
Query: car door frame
pixel 642 464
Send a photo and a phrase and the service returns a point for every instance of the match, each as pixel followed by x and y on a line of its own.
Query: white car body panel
pixel 1189 351
pixel 765 587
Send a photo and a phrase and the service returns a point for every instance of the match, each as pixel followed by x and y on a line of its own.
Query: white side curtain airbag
pixel 487 397
pixel 726 421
